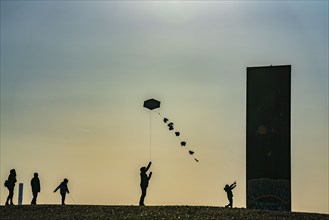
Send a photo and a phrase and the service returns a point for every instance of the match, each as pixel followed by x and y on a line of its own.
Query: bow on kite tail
pixel 152 104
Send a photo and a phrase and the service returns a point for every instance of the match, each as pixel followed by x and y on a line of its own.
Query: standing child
pixel 228 190
pixel 144 182
pixel 35 184
pixel 63 190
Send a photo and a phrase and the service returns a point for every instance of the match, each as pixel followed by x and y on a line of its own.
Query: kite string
pixel 71 198
pixel 150 136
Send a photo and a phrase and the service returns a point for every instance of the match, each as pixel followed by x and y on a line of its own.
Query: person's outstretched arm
pixel 148 166
pixel 233 185
pixel 57 188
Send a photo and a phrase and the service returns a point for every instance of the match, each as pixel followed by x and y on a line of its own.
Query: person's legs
pixel 34 200
pixel 63 198
pixel 141 201
pixel 231 202
pixel 10 196
pixel 36 196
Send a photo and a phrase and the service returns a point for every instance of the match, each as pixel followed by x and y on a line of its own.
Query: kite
pixel 152 104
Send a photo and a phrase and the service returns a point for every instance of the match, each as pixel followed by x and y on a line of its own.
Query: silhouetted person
pixel 228 190
pixel 144 182
pixel 63 190
pixel 35 184
pixel 10 184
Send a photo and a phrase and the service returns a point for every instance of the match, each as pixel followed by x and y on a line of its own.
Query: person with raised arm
pixel 228 189
pixel 144 182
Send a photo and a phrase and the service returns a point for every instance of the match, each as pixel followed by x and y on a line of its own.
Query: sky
pixel 75 74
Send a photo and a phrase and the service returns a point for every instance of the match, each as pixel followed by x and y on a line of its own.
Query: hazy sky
pixel 74 75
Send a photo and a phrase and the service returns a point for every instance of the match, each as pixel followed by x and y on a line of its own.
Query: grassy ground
pixel 148 212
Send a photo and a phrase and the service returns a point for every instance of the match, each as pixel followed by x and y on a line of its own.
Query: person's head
pixel 143 169
pixel 13 171
pixel 36 175
pixel 66 180
pixel 227 186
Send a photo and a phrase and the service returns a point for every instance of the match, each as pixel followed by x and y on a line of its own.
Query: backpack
pixel 6 183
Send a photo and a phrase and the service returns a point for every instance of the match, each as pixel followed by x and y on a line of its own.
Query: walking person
pixel 63 190
pixel 35 184
pixel 144 182
pixel 10 184
pixel 228 189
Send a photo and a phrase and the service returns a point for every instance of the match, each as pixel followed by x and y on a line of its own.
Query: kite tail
pixel 177 134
